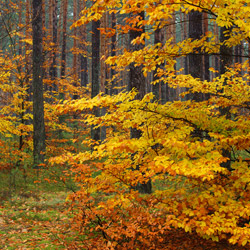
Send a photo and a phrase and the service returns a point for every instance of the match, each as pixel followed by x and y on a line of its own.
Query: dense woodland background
pixel 139 110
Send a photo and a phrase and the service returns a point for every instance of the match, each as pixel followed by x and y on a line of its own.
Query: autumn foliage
pixel 197 188
pixel 195 153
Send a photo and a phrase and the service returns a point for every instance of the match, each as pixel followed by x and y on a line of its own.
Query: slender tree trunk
pixel 103 67
pixel 53 66
pixel 20 69
pixel 226 59
pixel 195 61
pixel 64 39
pixel 113 90
pixel 64 9
pixel 75 96
pixel 27 48
pixel 83 55
pixel 137 81
pixel 206 56
pixel 158 38
pixel 38 106
pixel 95 133
pixel 206 64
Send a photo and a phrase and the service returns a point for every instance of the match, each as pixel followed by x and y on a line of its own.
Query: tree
pixel 193 192
pixel 137 82
pixel 64 38
pixel 38 106
pixel 95 88
pixel 53 66
pixel 195 62
pixel 84 54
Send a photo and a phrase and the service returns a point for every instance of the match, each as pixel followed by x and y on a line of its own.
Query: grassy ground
pixel 33 212
pixel 34 215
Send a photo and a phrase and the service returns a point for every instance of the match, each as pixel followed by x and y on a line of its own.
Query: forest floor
pixel 39 221
pixel 39 218
pixel 34 221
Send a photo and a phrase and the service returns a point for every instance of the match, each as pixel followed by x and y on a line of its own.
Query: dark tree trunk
pixel 53 66
pixel 95 133
pixel 113 91
pixel 38 106
pixel 137 81
pixel 83 55
pixel 206 75
pixel 64 39
pixel 136 77
pixel 226 59
pixel 206 56
pixel 195 62
pixel 156 87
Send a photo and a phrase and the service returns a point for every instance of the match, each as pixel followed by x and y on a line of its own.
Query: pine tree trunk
pixel 195 62
pixel 113 91
pixel 53 66
pixel 64 39
pixel 83 55
pixel 137 81
pixel 226 59
pixel 95 133
pixel 158 38
pixel 38 106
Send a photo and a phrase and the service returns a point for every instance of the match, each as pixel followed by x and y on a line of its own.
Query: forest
pixel 125 124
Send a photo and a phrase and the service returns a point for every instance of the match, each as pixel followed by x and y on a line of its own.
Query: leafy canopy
pixel 182 142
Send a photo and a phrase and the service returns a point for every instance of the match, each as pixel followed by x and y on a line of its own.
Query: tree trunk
pixel 137 81
pixel 226 59
pixel 53 66
pixel 38 106
pixel 83 55
pixel 113 90
pixel 64 39
pixel 158 38
pixel 95 133
pixel 195 62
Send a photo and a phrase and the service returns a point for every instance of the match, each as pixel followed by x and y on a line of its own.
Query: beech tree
pixel 193 191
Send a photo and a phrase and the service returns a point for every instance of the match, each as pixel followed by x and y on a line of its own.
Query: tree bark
pixel 226 59
pixel 83 55
pixel 195 62
pixel 137 81
pixel 38 106
pixel 53 66
pixel 113 90
pixel 95 133
pixel 158 38
pixel 64 39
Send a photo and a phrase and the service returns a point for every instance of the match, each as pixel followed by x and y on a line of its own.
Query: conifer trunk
pixel 38 106
pixel 195 62
pixel 64 39
pixel 95 133
pixel 83 55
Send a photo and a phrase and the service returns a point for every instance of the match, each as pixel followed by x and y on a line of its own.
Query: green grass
pixel 32 210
